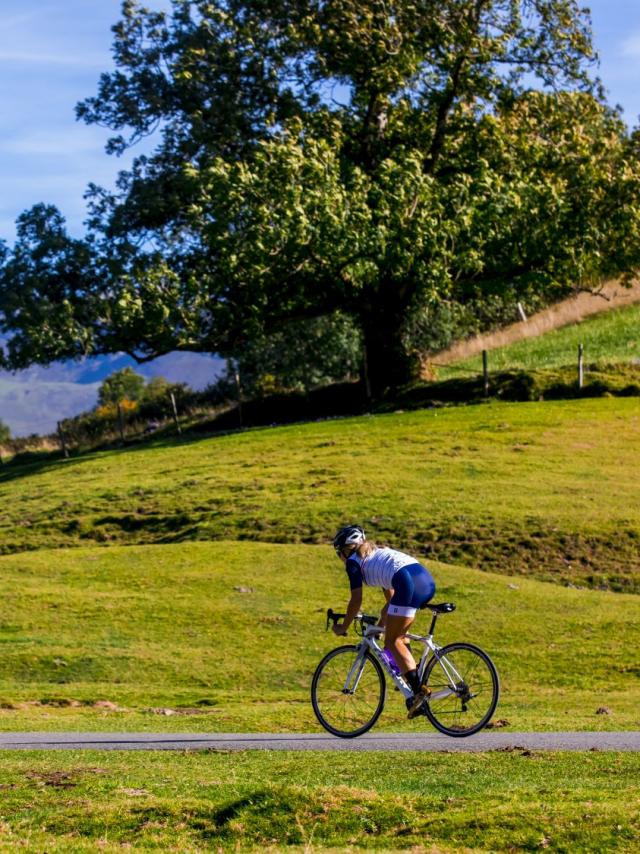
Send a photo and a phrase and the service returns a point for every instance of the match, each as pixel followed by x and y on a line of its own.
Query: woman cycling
pixel 407 586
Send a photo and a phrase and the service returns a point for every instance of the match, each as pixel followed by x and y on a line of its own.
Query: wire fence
pixel 483 368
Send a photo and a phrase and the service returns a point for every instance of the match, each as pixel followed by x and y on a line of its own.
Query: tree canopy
pixel 321 156
pixel 124 384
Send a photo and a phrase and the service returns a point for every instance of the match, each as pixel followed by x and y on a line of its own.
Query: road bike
pixel 349 686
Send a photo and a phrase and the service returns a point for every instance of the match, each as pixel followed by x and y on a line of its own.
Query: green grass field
pixel 542 489
pixel 182 586
pixel 206 801
pixel 109 639
pixel 613 336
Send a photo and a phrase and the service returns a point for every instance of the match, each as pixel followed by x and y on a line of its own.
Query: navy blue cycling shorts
pixel 413 587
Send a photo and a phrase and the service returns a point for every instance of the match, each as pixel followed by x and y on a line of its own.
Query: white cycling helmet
pixel 349 535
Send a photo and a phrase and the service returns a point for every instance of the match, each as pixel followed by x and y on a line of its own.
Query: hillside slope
pixel 546 489
pixel 111 638
pixel 612 295
pixel 609 341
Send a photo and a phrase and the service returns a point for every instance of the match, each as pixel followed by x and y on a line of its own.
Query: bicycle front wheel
pixel 464 689
pixel 348 691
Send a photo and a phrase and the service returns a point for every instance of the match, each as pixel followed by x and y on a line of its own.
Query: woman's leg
pixel 395 629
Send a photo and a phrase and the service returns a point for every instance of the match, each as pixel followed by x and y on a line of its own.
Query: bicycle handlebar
pixel 367 619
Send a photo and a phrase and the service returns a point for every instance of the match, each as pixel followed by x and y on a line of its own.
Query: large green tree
pixel 314 156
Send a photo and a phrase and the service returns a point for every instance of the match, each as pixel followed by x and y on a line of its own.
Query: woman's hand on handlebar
pixel 339 629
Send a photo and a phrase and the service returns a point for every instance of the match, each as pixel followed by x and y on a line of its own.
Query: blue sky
pixel 52 52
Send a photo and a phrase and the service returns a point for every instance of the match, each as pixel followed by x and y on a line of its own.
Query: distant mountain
pixel 35 407
pixel 34 400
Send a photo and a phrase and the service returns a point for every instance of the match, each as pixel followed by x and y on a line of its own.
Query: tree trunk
pixel 388 364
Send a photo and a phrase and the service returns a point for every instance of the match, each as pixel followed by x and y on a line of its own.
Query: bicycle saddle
pixel 442 608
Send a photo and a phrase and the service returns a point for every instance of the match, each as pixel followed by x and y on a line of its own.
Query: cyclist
pixel 407 586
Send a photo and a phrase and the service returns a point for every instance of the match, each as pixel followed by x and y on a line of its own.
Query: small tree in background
pixel 156 388
pixel 125 384
pixel 155 401
pixel 5 435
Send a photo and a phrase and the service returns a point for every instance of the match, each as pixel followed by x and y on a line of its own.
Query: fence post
pixel 120 423
pixel 239 389
pixel 175 412
pixel 485 373
pixel 580 365
pixel 63 443
pixel 521 312
pixel 365 375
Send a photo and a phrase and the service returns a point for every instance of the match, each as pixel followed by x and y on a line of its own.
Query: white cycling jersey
pixel 378 568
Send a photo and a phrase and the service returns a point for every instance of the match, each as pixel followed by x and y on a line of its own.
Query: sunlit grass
pixel 547 489
pixel 522 801
pixel 225 637
pixel 613 336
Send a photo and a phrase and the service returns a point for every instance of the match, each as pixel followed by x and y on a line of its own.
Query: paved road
pixel 627 741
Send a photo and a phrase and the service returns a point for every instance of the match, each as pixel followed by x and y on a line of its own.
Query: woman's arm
pixel 352 610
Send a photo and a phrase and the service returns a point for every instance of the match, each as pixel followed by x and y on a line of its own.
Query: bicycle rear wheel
pixel 464 689
pixel 348 691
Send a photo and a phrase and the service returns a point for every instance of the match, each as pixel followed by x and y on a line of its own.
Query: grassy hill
pixel 182 585
pixel 226 636
pixel 612 336
pixel 542 489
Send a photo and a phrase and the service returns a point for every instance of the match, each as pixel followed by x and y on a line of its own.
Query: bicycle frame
pixel 368 642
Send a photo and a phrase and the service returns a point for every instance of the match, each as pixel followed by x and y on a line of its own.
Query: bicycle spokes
pixel 348 691
pixel 464 689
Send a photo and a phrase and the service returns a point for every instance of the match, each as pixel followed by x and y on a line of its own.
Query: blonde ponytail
pixel 365 549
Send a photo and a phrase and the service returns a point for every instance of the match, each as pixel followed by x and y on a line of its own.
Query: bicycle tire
pixel 340 696
pixel 436 711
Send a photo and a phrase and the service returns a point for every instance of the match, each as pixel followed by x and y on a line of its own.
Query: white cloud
pixel 36 407
pixel 60 59
pixel 631 46
pixel 67 142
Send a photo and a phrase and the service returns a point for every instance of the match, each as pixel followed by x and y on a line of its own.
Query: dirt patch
pixel 499 724
pixel 57 779
pixel 576 308
pixel 181 710
pixel 62 703
pixel 62 779
pixel 108 706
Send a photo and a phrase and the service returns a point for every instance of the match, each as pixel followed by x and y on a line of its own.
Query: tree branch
pixel 450 95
